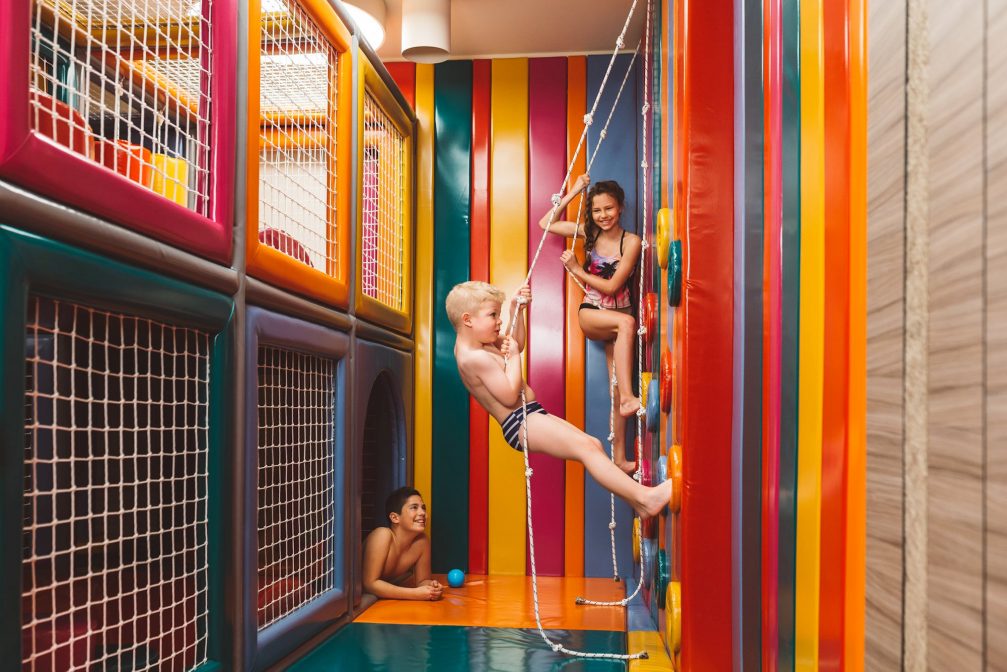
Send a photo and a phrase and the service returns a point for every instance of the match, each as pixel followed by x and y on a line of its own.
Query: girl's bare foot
pixel 655 499
pixel 628 407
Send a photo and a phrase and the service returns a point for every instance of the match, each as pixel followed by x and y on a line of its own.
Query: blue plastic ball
pixel 456 578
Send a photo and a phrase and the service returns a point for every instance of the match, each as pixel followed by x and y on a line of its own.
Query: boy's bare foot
pixel 655 499
pixel 628 407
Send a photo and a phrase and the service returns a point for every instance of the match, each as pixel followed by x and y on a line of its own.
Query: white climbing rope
pixel 613 383
pixel 555 646
pixel 556 200
pixel 642 329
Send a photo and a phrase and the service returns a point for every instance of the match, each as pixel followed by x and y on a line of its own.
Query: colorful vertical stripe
pixel 667 110
pixel 811 338
pixel 856 492
pixel 671 534
pixel 573 552
pixel 835 398
pixel 404 74
pixel 664 56
pixel 664 339
pixel 479 269
pixel 424 310
pixel 452 147
pixel 508 266
pixel 707 337
pixel 546 168
pixel 772 326
pixel 748 246
pixel 790 327
pixel 680 174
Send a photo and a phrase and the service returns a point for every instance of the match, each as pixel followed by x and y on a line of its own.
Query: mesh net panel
pixel 114 561
pixel 296 397
pixel 126 83
pixel 383 210
pixel 297 156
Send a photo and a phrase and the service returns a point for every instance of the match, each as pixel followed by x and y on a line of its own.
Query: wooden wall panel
pixel 996 337
pixel 955 362
pixel 885 332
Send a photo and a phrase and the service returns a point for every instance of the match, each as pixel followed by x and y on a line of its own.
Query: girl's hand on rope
pixel 569 260
pixel 581 183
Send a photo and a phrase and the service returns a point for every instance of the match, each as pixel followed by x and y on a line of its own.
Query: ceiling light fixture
pixel 426 30
pixel 369 15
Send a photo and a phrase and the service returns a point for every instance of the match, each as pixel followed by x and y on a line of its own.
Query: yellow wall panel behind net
pixel 508 266
pixel 424 317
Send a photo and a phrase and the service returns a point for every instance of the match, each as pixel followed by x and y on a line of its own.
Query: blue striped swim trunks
pixel 511 425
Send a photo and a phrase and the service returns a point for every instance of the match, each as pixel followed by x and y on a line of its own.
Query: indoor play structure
pixel 227 231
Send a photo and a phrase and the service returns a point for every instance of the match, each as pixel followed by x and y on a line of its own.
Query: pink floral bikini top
pixel 605 267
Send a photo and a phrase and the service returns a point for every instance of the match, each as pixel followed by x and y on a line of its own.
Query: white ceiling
pixel 488 28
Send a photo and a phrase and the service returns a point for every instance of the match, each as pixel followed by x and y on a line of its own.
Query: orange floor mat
pixel 506 602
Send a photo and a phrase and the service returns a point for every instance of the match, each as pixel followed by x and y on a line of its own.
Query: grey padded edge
pixel 375 334
pixel 259 293
pixel 31 212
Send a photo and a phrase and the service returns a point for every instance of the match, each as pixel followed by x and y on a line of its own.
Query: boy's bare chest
pixel 401 560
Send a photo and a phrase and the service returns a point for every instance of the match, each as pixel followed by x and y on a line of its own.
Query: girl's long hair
pixel 591 230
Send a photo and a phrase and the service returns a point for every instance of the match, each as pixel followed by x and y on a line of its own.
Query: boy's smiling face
pixel 413 515
pixel 486 322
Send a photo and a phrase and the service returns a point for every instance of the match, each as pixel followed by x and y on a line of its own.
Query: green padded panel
pixel 791 299
pixel 449 501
